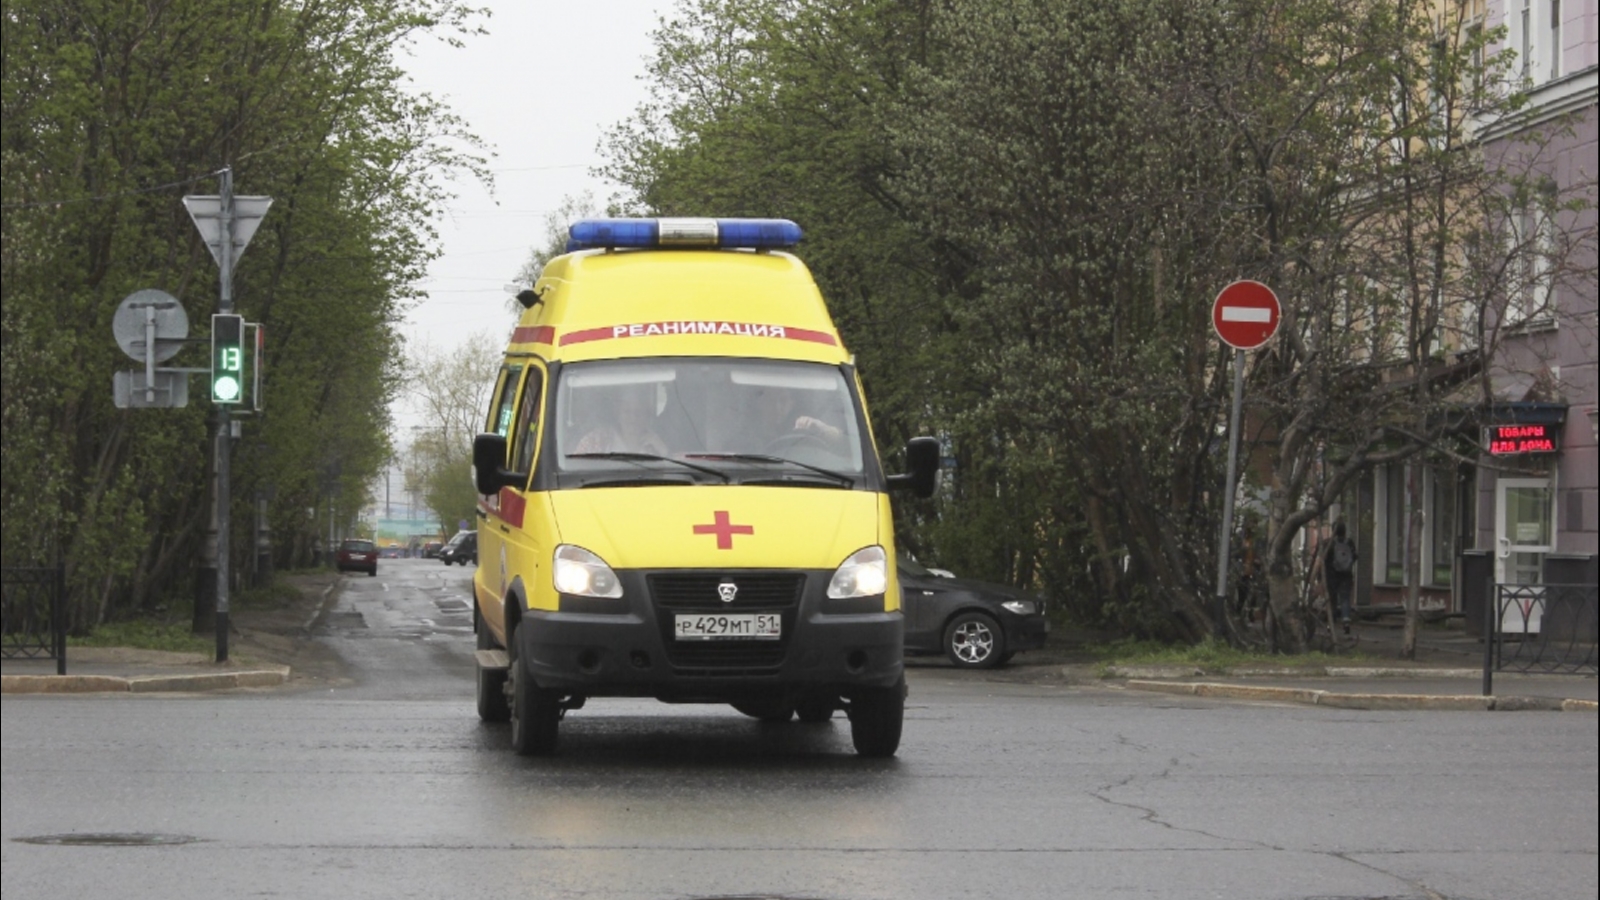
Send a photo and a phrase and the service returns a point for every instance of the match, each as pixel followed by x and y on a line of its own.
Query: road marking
pixel 327 593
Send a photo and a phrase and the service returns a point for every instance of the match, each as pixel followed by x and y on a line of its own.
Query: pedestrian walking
pixel 1339 573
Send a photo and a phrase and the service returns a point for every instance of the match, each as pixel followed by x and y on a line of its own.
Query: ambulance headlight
pixel 864 574
pixel 582 574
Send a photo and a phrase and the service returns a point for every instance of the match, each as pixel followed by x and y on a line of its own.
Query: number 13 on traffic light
pixel 227 358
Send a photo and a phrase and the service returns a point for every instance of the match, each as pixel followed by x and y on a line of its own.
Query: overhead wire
pixel 129 193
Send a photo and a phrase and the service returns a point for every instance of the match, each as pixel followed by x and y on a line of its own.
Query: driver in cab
pixel 780 421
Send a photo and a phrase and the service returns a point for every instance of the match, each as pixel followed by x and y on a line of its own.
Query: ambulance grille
pixel 698 592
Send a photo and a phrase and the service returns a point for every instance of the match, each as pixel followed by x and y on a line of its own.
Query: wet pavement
pixel 1446 673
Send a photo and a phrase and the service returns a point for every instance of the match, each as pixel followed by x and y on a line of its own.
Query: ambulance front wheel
pixel 535 713
pixel 876 718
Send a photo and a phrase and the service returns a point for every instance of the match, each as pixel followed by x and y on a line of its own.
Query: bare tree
pixel 449 390
pixel 555 239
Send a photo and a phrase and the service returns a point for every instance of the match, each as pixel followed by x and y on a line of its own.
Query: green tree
pixel 111 113
pixel 1022 209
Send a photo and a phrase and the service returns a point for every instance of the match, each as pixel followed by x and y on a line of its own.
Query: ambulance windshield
pixel 697 420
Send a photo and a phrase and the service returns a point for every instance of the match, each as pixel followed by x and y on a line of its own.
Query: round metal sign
pixel 137 311
pixel 1245 314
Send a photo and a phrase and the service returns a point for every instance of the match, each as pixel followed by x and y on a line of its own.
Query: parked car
pixel 463 549
pixel 977 625
pixel 357 556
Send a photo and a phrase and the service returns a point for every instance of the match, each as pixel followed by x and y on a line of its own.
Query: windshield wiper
pixel 640 480
pixel 651 457
pixel 840 477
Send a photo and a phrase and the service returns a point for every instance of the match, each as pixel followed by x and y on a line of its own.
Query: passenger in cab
pixel 632 430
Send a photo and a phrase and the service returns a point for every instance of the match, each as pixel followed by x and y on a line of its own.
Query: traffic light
pixel 227 358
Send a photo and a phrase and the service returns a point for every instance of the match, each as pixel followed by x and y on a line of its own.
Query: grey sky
pixel 541 88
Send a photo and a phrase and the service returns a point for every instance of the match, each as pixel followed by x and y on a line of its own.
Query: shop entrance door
pixel 1524 533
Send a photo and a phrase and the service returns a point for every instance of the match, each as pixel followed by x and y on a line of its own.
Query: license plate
pixel 728 627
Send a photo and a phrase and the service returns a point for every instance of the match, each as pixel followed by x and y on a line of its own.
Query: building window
pixel 1390 546
pixel 1525 31
pixel 1554 50
pixel 1437 544
pixel 1533 242
pixel 1442 525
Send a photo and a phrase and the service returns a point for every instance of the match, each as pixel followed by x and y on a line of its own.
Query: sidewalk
pixel 1446 674
pixel 266 648
pixel 126 670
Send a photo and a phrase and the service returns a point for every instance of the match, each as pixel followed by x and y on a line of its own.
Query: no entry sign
pixel 1245 314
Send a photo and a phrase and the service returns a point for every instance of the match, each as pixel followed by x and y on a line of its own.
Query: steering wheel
pixel 794 439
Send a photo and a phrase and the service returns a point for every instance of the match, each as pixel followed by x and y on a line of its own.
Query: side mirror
pixel 489 473
pixel 922 458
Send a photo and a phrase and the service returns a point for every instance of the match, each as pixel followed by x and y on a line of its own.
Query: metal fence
pixel 1541 628
pixel 32 620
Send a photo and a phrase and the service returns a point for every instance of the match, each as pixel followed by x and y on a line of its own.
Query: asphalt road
pixel 387 786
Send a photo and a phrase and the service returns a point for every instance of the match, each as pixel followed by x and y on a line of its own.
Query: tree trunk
pixel 1413 559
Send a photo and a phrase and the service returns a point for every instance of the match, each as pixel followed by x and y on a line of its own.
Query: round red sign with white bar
pixel 1245 314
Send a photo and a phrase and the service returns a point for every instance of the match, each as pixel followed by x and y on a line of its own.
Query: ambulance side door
pixel 526 540
pixel 491 577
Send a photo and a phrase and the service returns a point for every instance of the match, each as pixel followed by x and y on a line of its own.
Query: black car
pixel 463 549
pixel 976 624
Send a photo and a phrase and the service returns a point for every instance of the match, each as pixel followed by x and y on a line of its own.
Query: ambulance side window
pixel 505 397
pixel 527 433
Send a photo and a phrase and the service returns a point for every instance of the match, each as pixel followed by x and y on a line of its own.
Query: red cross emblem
pixel 724 530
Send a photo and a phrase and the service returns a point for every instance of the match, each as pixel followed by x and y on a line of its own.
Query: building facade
pixel 1521 497
pixel 1535 485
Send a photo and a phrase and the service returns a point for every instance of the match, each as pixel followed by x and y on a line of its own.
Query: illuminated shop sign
pixel 1513 440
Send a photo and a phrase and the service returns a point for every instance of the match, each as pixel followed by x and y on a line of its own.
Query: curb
pixel 143 684
pixel 1292 672
pixel 1339 700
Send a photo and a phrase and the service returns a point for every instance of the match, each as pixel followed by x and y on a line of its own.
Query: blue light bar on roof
pixel 725 234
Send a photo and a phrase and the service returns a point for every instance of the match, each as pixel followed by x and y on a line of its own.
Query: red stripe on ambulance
pixel 697 327
pixel 532 334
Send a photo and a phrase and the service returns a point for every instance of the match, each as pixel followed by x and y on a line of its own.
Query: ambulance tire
pixel 876 718
pixel 492 703
pixel 535 714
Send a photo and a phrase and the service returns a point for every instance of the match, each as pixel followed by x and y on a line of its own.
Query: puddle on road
pixel 110 839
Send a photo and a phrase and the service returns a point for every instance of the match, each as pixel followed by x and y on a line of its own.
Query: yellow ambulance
pixel 680 494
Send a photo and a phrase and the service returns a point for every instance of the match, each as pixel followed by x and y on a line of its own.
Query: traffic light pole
pixel 226 224
pixel 223 442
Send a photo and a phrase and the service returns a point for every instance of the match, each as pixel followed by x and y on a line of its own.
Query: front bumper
pixel 626 647
pixel 1026 632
